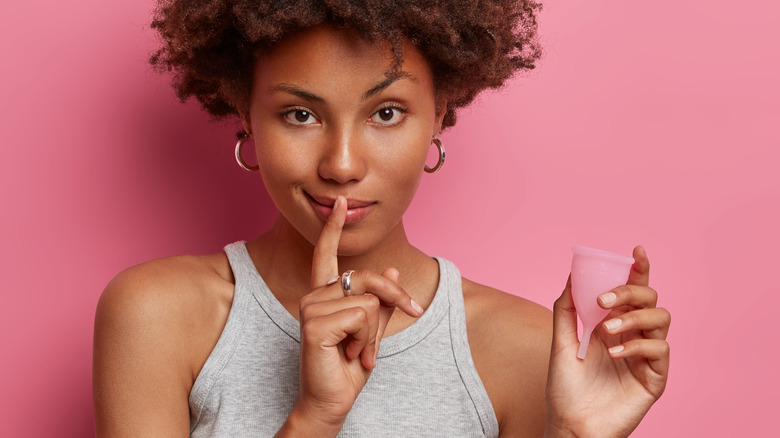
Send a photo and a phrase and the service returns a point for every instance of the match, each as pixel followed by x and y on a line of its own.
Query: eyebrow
pixel 391 77
pixel 287 88
pixel 296 91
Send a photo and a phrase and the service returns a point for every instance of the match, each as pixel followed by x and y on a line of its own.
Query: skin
pixel 338 136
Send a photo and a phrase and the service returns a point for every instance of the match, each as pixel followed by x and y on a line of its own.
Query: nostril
pixel 343 164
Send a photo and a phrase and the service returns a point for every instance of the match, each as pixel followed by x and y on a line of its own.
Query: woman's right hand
pixel 340 334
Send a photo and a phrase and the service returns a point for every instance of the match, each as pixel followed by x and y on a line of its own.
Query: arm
pixel 140 384
pixel 510 341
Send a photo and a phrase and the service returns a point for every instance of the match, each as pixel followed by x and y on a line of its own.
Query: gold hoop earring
pixel 240 160
pixel 439 163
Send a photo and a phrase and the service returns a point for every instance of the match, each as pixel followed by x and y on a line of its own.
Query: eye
pixel 388 116
pixel 299 116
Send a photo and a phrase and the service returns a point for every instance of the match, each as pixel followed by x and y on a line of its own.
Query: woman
pixel 332 322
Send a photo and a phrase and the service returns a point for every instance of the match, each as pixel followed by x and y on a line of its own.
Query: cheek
pixel 402 169
pixel 281 163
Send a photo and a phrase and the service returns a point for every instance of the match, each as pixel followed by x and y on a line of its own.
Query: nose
pixel 343 159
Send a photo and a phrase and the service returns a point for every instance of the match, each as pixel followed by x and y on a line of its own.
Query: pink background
pixel 652 123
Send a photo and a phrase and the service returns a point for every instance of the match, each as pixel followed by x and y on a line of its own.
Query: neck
pixel 283 258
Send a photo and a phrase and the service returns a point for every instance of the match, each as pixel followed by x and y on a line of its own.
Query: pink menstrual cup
pixel 594 272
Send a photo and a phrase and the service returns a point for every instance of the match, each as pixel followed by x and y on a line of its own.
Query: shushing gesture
pixel 342 323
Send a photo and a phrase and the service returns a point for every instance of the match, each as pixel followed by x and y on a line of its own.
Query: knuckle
pixel 623 290
pixel 653 295
pixel 359 314
pixel 305 301
pixel 304 312
pixel 663 348
pixel 666 315
pixel 309 328
pixel 362 274
pixel 371 303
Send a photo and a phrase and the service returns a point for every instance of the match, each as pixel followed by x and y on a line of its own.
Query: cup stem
pixel 584 341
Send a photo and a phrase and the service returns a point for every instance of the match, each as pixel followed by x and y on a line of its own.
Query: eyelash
pixel 393 106
pixel 292 110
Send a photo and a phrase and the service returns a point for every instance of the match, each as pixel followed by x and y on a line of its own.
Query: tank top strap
pixel 231 334
pixel 461 349
pixel 242 266
pixel 249 282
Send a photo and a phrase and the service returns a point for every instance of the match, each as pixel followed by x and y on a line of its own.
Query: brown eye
pixel 300 117
pixel 386 114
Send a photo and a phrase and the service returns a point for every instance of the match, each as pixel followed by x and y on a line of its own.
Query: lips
pixel 356 209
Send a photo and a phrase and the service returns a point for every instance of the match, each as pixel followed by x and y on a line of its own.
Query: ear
pixel 246 123
pixel 441 110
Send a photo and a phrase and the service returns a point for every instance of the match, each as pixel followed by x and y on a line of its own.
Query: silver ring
pixel 346 282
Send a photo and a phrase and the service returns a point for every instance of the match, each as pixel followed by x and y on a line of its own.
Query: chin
pixel 354 247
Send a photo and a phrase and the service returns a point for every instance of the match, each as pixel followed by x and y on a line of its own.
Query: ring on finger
pixel 346 282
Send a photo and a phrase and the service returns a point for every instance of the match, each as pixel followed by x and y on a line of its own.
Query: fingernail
pixel 338 201
pixel 417 307
pixel 608 298
pixel 616 349
pixel 333 280
pixel 612 324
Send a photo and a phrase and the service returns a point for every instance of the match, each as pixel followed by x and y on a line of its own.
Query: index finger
pixel 325 262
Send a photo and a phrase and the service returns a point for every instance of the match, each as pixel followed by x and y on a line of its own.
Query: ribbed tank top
pixel 424 384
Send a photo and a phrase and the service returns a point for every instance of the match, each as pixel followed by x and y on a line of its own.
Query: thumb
pixel 564 320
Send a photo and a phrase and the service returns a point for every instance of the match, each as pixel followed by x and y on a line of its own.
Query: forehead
pixel 337 60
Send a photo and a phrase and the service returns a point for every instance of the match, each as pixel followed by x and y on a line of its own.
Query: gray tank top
pixel 424 384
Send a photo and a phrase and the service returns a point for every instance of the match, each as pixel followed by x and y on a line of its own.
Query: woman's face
pixel 328 118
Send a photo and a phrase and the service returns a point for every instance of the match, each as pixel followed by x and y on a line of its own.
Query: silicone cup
pixel 594 272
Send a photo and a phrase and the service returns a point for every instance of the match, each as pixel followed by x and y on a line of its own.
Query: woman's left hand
pixel 625 371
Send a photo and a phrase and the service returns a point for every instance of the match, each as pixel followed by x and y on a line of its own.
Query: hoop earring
pixel 439 163
pixel 240 160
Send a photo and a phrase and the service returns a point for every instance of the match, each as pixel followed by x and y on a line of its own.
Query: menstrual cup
pixel 594 272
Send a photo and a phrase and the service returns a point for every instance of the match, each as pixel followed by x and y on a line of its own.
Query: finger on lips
pixel 325 262
pixel 354 295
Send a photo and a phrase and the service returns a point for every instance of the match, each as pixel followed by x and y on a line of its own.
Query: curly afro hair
pixel 211 46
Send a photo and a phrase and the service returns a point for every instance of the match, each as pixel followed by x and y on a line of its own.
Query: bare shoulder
pixel 172 298
pixel 510 339
pixel 155 325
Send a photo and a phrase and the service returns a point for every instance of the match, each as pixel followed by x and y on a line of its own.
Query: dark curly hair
pixel 211 46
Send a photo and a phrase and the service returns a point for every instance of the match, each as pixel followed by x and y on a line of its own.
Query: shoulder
pixel 160 289
pixel 185 293
pixel 155 325
pixel 510 340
